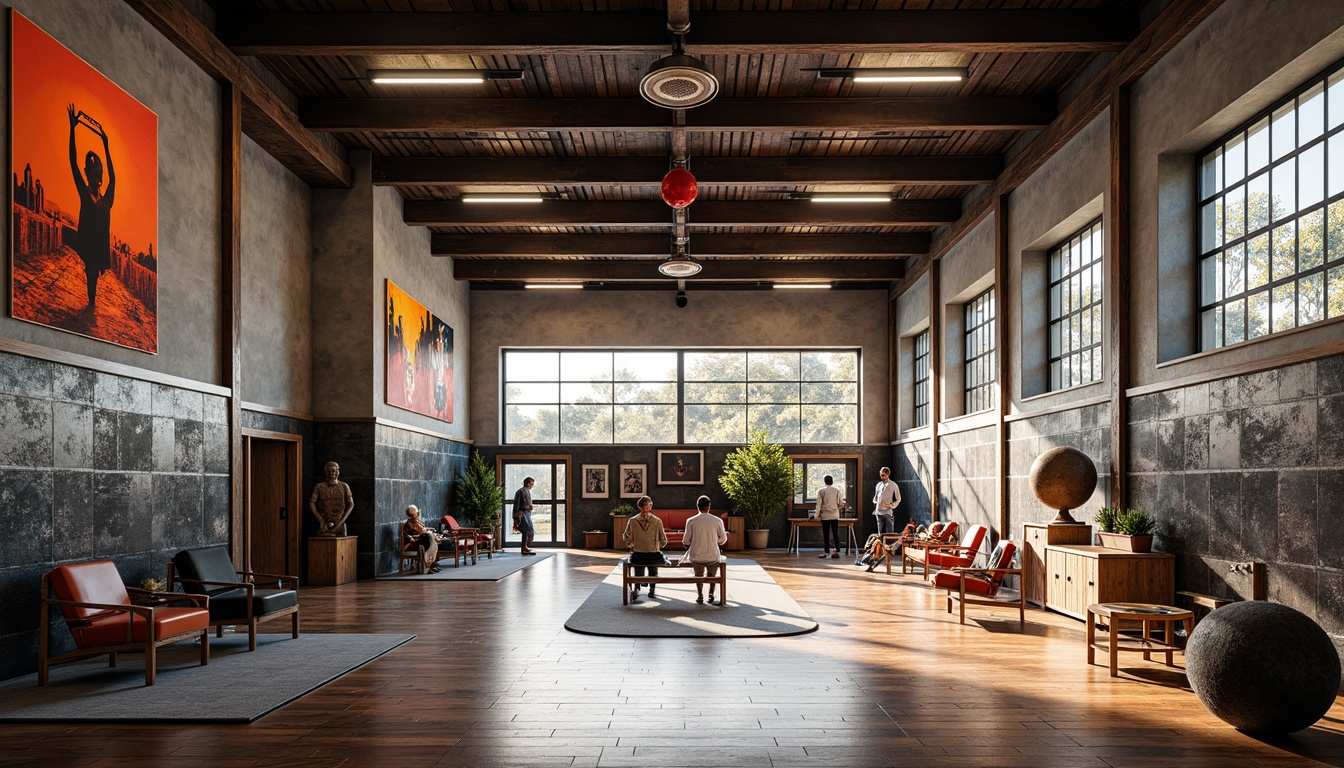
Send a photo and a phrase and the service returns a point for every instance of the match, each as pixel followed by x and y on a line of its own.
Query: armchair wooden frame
pixel 148 645
pixel 964 599
pixel 958 550
pixel 248 582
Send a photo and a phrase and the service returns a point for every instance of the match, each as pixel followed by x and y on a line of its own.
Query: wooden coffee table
pixel 1143 613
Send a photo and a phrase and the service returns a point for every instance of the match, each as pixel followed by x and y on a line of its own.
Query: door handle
pixel 284 513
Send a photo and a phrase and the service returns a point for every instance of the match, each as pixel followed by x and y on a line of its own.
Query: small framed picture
pixel 595 481
pixel 634 480
pixel 681 467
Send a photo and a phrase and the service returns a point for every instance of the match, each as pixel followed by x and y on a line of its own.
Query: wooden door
pixel 271 521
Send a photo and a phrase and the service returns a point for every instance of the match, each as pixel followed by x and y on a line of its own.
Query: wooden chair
pixel 980 586
pixel 483 538
pixel 97 609
pixel 410 550
pixel 235 597
pixel 945 555
pixel 937 533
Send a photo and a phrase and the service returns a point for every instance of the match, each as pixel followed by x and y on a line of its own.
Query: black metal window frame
pixel 1270 221
pixel 1075 287
pixel 922 379
pixel 981 369
pixel 680 385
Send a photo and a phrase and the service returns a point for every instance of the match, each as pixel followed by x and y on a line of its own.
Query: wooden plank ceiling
pixel 576 130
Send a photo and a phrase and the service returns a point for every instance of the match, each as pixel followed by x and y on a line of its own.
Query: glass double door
pixel 550 499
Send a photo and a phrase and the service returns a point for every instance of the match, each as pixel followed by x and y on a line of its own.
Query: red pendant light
pixel 679 188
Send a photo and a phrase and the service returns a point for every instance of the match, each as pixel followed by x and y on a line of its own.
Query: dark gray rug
pixel 484 570
pixel 757 607
pixel 237 686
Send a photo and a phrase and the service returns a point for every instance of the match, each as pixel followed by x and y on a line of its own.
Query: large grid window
pixel 1075 309
pixel 671 396
pixel 1271 219
pixel 981 370
pixel 922 379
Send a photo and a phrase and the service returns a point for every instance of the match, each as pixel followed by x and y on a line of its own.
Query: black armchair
pixel 235 597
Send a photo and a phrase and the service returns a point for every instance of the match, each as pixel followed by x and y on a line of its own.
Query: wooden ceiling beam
pixel 709 171
pixel 655 213
pixel 646 270
pixel 1051 30
pixel 970 113
pixel 266 118
pixel 706 244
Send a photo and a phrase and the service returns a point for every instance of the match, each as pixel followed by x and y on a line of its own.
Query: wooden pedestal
pixel 331 560
pixel 736 525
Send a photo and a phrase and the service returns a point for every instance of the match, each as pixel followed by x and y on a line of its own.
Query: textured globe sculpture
pixel 1262 667
pixel 1063 479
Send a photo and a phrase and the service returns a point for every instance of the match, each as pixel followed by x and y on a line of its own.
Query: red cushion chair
pixel 945 555
pixel 981 586
pixel 485 540
pixel 461 541
pixel 97 609
pixel 937 533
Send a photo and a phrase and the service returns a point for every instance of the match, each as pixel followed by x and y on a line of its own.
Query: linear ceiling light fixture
pixel 491 197
pixel 441 76
pixel 553 286
pixel 850 197
pixel 802 286
pixel 896 74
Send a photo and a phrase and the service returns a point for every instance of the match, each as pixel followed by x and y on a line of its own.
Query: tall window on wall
pixel 1271 222
pixel 921 379
pixel 680 396
pixel 1075 309
pixel 981 369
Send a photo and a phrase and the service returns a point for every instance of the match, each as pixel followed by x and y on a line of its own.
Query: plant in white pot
pixel 480 497
pixel 759 478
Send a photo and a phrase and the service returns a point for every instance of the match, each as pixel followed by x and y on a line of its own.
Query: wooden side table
pixel 331 560
pixel 1143 613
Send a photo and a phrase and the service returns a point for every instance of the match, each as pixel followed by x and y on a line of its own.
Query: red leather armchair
pixel 945 555
pixel 484 539
pixel 980 586
pixel 97 609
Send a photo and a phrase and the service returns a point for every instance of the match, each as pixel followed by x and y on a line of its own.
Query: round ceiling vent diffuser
pixel 679 266
pixel 678 82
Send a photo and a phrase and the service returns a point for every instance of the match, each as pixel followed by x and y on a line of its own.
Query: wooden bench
pixel 628 580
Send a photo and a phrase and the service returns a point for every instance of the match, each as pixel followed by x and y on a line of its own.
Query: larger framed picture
pixel 419 357
pixel 85 155
pixel 634 480
pixel 595 484
pixel 681 467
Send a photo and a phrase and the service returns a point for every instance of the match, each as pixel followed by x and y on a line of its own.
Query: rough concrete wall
pixel 712 319
pixel 1249 468
pixel 277 272
pixel 1244 57
pixel 401 254
pixel 968 478
pixel 343 337
pixel 116 41
pixel 912 469
pixel 410 468
pixel 1087 429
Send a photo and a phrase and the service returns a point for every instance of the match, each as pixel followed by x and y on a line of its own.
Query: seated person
pixel 413 531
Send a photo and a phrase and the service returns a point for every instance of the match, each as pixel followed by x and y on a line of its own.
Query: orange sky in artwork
pixel 46 77
pixel 412 314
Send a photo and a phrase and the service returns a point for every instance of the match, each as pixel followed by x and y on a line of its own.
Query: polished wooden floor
pixel 494 679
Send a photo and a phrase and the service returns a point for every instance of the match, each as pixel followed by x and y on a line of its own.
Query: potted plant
pixel 759 478
pixel 480 498
pixel 1130 530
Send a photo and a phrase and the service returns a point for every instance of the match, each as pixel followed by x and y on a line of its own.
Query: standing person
pixel 94 237
pixel 645 533
pixel 885 500
pixel 828 511
pixel 703 537
pixel 522 515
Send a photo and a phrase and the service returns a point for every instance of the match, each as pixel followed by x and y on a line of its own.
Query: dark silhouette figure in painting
pixel 94 240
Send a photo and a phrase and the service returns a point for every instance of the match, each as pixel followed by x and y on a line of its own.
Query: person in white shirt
pixel 703 536
pixel 885 500
pixel 828 511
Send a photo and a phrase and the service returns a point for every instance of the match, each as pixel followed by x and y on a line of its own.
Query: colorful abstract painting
pixel 85 157
pixel 419 357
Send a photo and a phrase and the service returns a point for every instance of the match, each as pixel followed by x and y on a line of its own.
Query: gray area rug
pixel 485 569
pixel 237 686
pixel 757 607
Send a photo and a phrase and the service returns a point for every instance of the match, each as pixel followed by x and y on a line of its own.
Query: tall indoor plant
pixel 759 479
pixel 480 497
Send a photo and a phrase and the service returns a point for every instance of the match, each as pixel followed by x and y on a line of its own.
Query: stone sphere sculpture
pixel 1262 667
pixel 1063 479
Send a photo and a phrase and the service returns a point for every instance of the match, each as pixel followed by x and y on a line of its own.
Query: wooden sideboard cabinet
pixel 331 560
pixel 1078 576
pixel 1035 538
